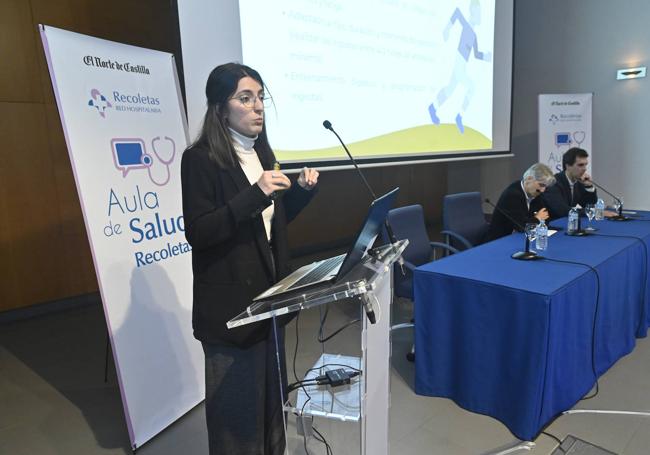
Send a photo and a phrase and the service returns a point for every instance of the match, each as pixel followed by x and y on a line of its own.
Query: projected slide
pixel 395 77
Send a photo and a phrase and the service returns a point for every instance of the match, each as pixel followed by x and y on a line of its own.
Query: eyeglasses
pixel 248 101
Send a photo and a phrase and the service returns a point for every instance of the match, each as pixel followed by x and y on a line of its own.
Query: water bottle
pixel 542 236
pixel 600 208
pixel 572 225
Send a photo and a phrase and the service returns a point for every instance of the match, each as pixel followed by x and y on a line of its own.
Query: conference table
pixel 523 341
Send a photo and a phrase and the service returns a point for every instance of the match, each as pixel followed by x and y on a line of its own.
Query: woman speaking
pixel 236 208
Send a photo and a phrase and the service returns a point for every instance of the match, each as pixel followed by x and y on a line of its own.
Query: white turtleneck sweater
pixel 253 169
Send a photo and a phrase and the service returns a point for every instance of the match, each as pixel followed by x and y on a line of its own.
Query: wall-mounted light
pixel 630 73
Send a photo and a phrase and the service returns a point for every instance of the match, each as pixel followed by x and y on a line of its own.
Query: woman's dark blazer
pixel 232 260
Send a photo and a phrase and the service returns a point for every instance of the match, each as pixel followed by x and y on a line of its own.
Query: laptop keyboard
pixel 322 270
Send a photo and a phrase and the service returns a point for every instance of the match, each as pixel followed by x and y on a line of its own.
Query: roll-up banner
pixel 125 130
pixel 564 122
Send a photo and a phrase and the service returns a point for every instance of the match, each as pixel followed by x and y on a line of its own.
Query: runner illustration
pixel 468 42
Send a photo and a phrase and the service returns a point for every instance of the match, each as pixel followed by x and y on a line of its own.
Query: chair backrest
pixel 462 213
pixel 408 223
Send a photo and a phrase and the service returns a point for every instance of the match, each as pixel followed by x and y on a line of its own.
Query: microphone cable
pixel 339 377
pixel 635 217
pixel 645 269
pixel 302 384
pixel 321 338
pixel 351 373
pixel 595 318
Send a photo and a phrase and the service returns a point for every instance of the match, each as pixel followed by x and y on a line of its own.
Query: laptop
pixel 333 269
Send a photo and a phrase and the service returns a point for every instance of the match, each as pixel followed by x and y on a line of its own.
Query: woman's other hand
pixel 308 178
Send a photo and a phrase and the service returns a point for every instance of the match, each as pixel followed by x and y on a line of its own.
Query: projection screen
pixel 401 81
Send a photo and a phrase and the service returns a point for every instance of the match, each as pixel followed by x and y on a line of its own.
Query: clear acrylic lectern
pixel 366 400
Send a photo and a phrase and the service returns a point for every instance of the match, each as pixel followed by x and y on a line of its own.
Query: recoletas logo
pixel 99 102
pixel 127 102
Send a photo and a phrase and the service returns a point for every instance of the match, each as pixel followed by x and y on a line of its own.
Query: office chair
pixel 463 221
pixel 408 223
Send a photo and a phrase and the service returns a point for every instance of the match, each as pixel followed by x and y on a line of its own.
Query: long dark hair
pixel 221 86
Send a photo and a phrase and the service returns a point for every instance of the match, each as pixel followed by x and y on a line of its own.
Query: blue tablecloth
pixel 513 339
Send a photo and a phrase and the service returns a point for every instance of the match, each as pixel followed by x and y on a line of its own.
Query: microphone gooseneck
pixel 619 216
pixel 328 125
pixel 506 214
pixel 601 188
pixel 618 199
pixel 525 255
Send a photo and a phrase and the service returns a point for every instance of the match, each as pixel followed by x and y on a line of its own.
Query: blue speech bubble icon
pixel 130 153
pixel 562 139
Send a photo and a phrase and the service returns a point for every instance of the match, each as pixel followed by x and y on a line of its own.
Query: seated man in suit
pixel 520 202
pixel 573 185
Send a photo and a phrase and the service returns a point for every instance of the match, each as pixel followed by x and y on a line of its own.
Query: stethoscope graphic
pixel 147 160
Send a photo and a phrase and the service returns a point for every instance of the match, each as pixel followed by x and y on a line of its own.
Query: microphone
pixel 525 255
pixel 328 125
pixel 620 216
pixel 391 235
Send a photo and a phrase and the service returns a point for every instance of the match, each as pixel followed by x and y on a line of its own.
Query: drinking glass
pixel 531 231
pixel 618 205
pixel 590 211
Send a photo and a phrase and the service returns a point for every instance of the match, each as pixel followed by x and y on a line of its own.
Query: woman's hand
pixel 308 178
pixel 272 181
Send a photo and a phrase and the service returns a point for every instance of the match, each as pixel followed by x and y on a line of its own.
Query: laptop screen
pixel 369 231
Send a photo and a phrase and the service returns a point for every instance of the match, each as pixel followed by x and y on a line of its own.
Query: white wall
pixel 575 47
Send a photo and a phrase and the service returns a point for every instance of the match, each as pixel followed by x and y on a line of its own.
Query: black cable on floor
pixel 556 439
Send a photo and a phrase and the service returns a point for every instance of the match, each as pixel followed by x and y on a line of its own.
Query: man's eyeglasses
pixel 249 101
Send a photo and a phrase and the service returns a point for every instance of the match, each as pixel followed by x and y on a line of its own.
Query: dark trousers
pixel 242 398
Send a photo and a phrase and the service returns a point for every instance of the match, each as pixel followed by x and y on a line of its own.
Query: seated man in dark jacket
pixel 573 185
pixel 520 202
